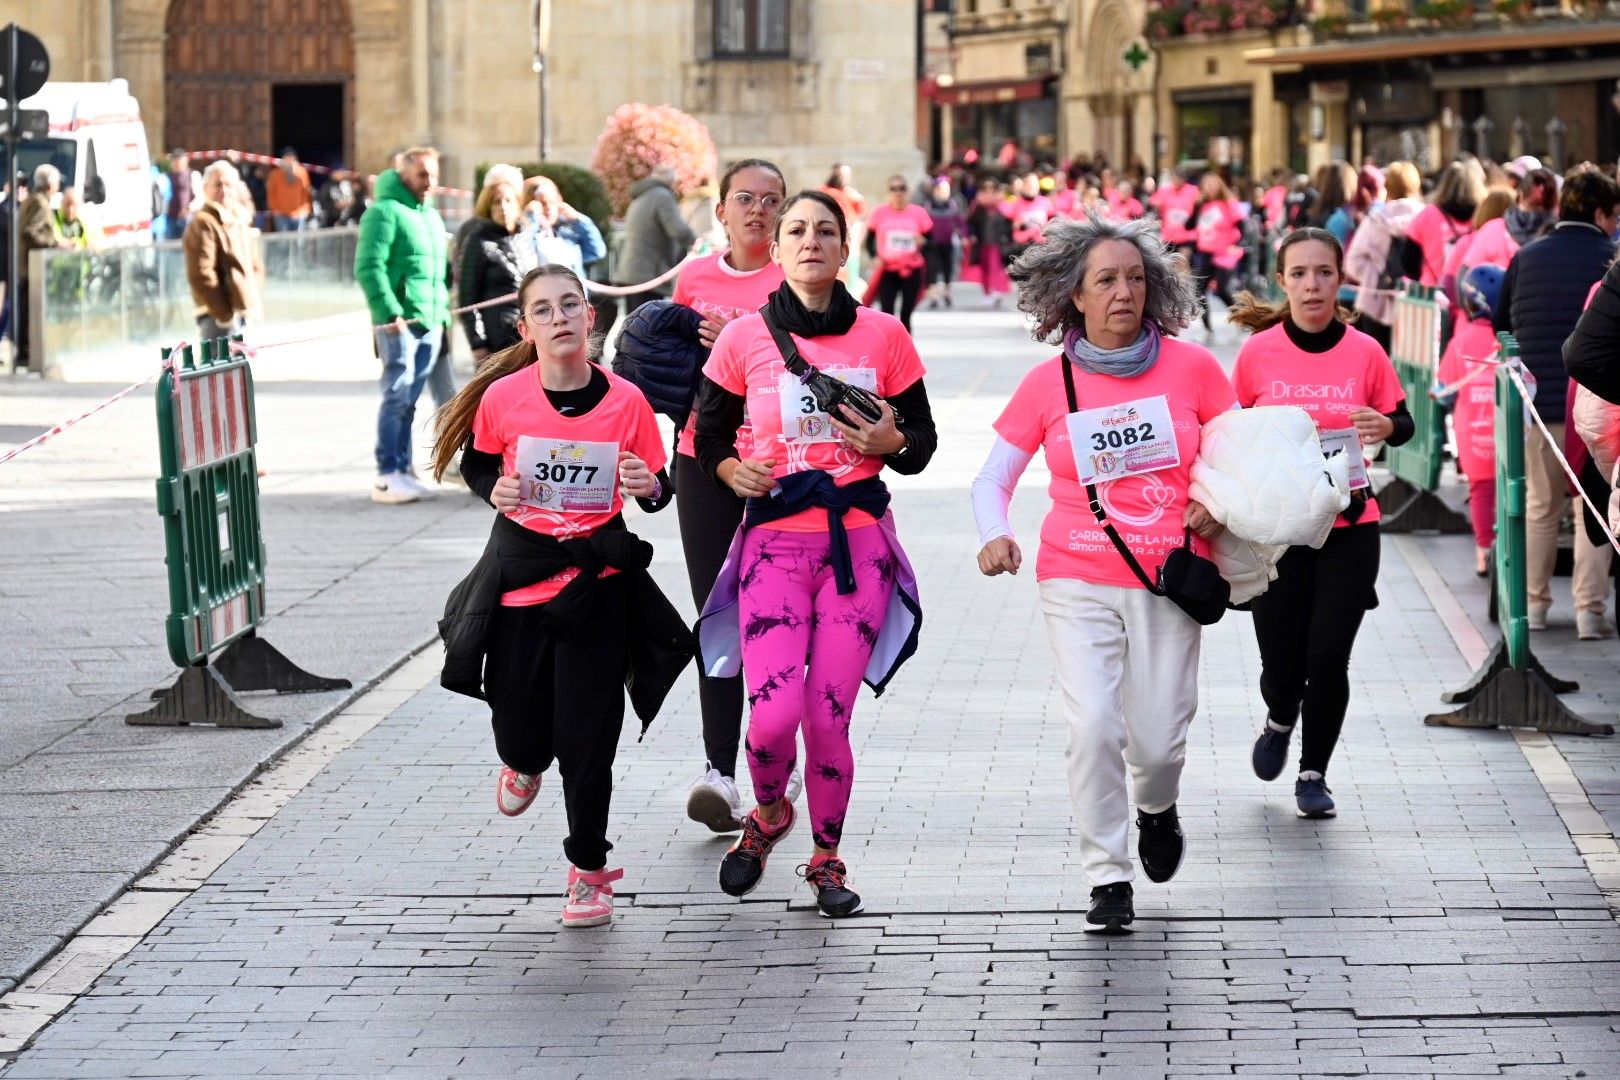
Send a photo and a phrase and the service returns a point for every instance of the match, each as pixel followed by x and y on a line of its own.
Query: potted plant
pixel 1449 14
pixel 1515 10
pixel 638 138
pixel 1390 17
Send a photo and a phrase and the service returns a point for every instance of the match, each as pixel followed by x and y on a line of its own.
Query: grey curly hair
pixel 1049 273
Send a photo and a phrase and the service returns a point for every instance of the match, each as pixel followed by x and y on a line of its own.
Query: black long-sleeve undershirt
pixel 719 413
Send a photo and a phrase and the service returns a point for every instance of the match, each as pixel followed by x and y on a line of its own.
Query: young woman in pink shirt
pixel 555 444
pixel 1302 353
pixel 722 287
pixel 1218 232
pixel 816 595
pixel 1118 414
pixel 896 233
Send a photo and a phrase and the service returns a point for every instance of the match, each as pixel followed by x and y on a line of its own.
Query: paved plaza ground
pixel 361 910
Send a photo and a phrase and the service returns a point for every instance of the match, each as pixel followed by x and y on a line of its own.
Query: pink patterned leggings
pixel 804 650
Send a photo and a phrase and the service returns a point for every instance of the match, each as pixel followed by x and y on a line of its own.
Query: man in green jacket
pixel 400 262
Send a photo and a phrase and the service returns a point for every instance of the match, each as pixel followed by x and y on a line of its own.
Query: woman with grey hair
pixel 1118 413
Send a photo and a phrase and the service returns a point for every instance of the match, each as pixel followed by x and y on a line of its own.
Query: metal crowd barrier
pixel 208 496
pixel 1512 689
pixel 1408 503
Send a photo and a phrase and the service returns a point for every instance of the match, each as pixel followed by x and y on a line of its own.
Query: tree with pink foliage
pixel 638 138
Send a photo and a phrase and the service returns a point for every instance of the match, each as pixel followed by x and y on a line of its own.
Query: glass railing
pixel 136 299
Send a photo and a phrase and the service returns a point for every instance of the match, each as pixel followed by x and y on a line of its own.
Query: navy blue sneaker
pixel 1270 752
pixel 1314 799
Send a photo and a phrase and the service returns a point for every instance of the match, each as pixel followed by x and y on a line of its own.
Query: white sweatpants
pixel 1127 662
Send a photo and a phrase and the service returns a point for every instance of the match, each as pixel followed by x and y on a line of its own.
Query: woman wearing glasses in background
pixel 895 235
pixel 722 287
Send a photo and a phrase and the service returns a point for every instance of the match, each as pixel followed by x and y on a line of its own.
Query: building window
pixel 746 28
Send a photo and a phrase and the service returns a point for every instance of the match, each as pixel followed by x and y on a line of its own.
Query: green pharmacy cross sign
pixel 1136 56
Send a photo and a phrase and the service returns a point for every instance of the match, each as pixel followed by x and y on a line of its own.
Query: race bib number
pixel 1128 439
pixel 802 421
pixel 899 243
pixel 1347 441
pixel 567 476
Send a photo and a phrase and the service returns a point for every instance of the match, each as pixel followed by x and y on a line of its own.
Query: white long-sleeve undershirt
pixel 992 489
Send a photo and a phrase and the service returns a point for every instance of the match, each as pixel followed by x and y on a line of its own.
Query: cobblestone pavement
pixel 86 802
pixel 387 922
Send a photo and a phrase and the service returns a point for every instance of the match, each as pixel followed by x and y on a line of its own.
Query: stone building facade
pixel 804 82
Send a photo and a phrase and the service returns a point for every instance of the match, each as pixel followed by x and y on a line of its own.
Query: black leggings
pixel 939 263
pixel 894 289
pixel 1306 625
pixel 562 699
pixel 1204 268
pixel 709 516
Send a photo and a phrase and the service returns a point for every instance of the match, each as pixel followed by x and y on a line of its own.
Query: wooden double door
pixel 255 75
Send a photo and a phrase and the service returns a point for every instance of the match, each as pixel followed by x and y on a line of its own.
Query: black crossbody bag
pixel 1187 579
pixel 829 391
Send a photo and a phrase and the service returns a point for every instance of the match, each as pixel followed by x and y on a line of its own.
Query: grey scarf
pixel 1122 363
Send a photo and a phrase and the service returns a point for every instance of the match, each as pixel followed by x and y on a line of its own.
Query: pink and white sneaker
pixel 590 897
pixel 514 791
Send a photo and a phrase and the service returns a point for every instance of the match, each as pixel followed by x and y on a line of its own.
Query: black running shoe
pixel 1161 845
pixel 1111 906
pixel 744 864
pixel 1270 752
pixel 830 880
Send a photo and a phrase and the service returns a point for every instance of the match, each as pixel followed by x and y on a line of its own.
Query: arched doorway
pixel 258 75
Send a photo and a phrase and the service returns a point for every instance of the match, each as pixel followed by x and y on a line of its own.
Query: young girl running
pixel 554 443
pixel 1303 354
pixel 721 287
pixel 816 594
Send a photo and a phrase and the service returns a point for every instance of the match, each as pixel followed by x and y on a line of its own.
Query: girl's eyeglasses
pixel 544 314
pixel 745 200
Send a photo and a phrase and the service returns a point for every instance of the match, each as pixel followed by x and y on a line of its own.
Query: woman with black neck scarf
pixel 816 594
pixel 1303 354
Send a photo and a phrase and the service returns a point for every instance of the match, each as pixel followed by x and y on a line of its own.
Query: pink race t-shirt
pixel 1219 226
pixel 517 421
pixel 1175 207
pixel 1470 352
pixel 715 290
pixel 1435 233
pixel 876 354
pixel 900 235
pixel 1272 370
pixel 1146 509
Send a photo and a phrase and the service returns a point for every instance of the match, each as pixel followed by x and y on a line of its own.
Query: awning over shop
pixel 991 93
pixel 1383 47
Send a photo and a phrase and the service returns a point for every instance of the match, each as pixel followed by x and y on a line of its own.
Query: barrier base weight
pixel 252 663
pixel 1498 662
pixel 1511 698
pixel 199 696
pixel 1407 509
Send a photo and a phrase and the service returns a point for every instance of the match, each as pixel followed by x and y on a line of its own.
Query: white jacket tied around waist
pixel 1260 472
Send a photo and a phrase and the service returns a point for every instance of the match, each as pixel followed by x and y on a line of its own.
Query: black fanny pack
pixel 1186 579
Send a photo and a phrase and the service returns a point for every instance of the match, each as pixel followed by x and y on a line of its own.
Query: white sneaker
pixel 795 785
pixel 715 801
pixel 1592 626
pixel 416 482
pixel 1536 616
pixel 395 488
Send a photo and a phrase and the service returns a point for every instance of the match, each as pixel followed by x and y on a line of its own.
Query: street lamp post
pixel 540 18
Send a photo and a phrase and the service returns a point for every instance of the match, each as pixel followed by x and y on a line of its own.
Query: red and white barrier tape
pixel 51 433
pixel 1484 367
pixel 1563 463
pixel 271 159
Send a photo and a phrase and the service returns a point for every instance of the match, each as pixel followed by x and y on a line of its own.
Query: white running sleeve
pixel 992 489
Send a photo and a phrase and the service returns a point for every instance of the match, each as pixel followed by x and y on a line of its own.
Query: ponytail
pixel 453 424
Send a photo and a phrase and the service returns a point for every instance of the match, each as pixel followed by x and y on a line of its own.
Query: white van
pixel 98 142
